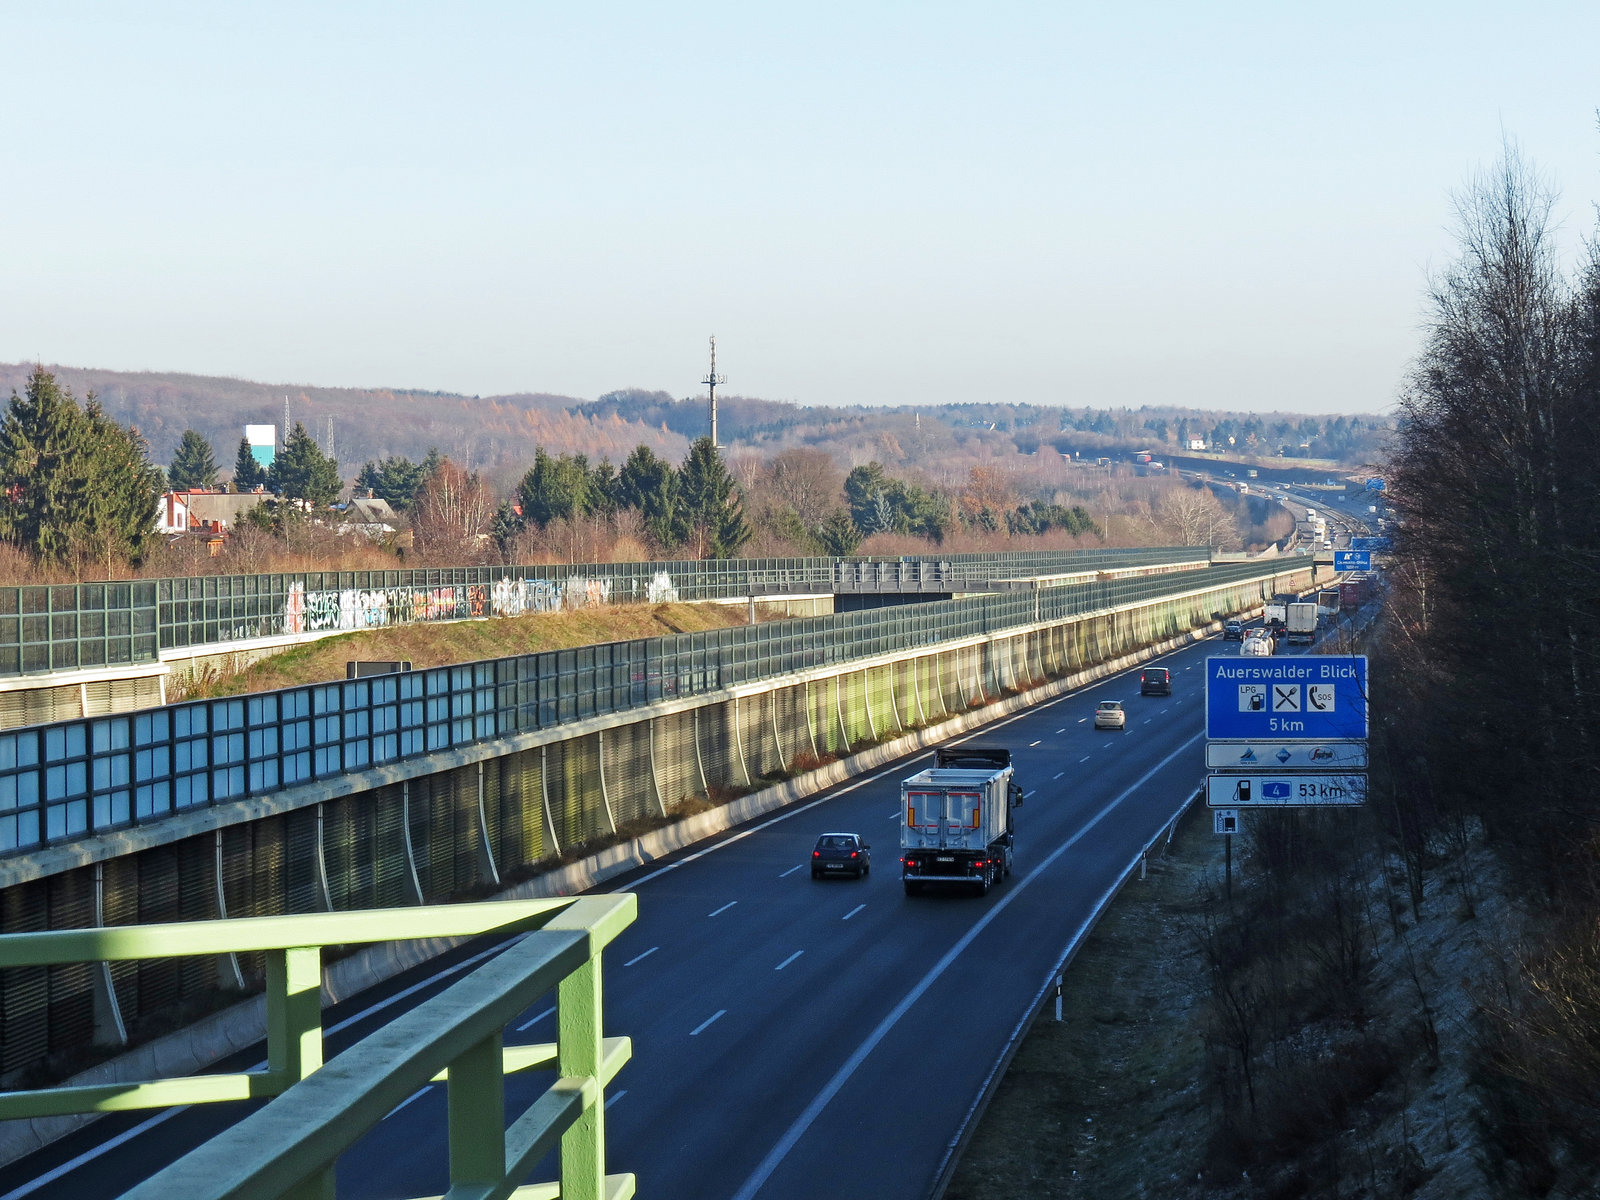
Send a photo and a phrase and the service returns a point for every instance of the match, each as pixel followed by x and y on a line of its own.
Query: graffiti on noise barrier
pixel 357 608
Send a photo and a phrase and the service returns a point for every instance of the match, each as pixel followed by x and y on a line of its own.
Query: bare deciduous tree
pixel 452 516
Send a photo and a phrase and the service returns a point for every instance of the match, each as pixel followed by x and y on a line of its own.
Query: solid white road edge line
pixel 1027 1017
pixel 696 1030
pixel 72 1164
pixel 804 1121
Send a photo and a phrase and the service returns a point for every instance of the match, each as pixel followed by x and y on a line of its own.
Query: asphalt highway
pixel 792 1038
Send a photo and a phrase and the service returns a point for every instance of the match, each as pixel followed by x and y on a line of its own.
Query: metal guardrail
pixel 68 627
pixel 289 1148
pixel 91 775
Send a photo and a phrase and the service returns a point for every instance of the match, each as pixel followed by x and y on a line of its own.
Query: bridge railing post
pixel 294 1012
pixel 578 1052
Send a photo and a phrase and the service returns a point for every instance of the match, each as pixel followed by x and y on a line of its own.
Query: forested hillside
pixel 496 434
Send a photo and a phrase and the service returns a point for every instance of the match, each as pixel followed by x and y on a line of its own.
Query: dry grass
pixel 434 645
pixel 1107 1103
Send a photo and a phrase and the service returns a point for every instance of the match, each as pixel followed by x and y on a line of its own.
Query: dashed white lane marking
pixel 1032 744
pixel 813 1110
pixel 638 957
pixel 523 1028
pixel 1081 720
pixel 698 1029
pixel 615 1096
pixel 792 870
pixel 723 909
pixel 1061 731
pixel 852 912
pixel 1058 775
pixel 1084 759
pixel 406 1101
pixel 788 960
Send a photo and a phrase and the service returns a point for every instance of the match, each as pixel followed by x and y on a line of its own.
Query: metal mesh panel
pixel 627 764
pixel 71 900
pixel 794 730
pixel 24 991
pixel 300 861
pixel 573 787
pixel 159 979
pixel 521 811
pixel 878 686
pixel 762 754
pixel 825 715
pixel 350 851
pixel 716 746
pixel 676 773
pixel 432 820
pixel 854 697
pixel 466 830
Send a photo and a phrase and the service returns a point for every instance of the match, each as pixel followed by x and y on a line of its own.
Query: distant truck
pixel 955 819
pixel 1355 591
pixel 1302 623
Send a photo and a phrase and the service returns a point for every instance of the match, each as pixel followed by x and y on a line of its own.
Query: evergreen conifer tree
pixel 44 469
pixel 248 474
pixel 193 464
pixel 73 483
pixel 302 471
pixel 709 511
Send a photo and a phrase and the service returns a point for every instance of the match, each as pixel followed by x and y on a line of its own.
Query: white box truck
pixel 1302 622
pixel 955 819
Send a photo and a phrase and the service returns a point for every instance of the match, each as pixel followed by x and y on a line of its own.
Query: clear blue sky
pixel 1213 205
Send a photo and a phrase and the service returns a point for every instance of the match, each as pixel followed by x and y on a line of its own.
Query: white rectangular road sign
pixel 1286 756
pixel 1225 820
pixel 1284 791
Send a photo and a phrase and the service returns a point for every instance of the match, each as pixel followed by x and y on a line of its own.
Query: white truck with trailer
pixel 955 819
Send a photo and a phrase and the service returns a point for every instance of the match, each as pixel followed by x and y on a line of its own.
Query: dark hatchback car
pixel 1233 631
pixel 1155 681
pixel 841 854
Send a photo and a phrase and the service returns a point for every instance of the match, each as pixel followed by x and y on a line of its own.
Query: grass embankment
pixel 442 643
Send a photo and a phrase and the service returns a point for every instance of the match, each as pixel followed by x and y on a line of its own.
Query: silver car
pixel 1108 714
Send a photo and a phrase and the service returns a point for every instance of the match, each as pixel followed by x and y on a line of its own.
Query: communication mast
pixel 711 381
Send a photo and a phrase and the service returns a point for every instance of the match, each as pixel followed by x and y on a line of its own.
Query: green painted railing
pixel 289 1148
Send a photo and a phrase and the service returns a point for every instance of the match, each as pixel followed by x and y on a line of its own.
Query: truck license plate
pixel 945 858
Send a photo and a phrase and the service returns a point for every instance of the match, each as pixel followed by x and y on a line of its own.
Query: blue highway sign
pixel 1297 698
pixel 1352 560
